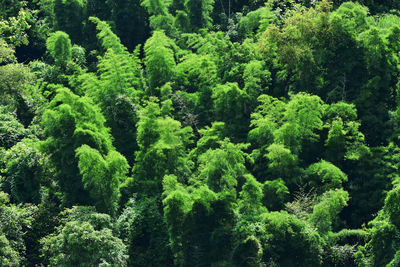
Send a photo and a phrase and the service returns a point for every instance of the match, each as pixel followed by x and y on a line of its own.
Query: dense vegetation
pixel 199 133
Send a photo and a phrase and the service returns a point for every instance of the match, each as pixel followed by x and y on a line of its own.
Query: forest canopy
pixel 199 133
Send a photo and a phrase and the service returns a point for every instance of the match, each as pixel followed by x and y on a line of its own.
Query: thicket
pixel 199 133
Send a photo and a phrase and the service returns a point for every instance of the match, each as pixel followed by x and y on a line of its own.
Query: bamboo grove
pixel 199 133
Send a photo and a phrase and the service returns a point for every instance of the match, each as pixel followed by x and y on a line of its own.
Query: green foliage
pixel 285 132
pixel 230 58
pixel 200 217
pixel 83 238
pixel 256 79
pixel 86 214
pixel 159 60
pixel 197 75
pixel 383 242
pixel 116 90
pixel 18 94
pixel 355 15
pixel 78 55
pixel 160 18
pixel 210 138
pixel 85 126
pixel 26 170
pixel 109 40
pixel 395 261
pixel 291 241
pixel 195 72
pixel 6 53
pixel 281 162
pixel 302 118
pixel 204 233
pixel 256 21
pixel 14 222
pixel 79 244
pixel 11 130
pixel 78 112
pixel 329 206
pixel 264 122
pixel 102 176
pixel 182 21
pixel 162 150
pixel 248 253
pixel 177 203
pixel 69 17
pixel 391 206
pixel 230 104
pixel 156 7
pixel 325 176
pixel 250 197
pixel 199 13
pixel 130 20
pixel 259 134
pixel 13 29
pixel 44 221
pixel 8 256
pixel 221 168
pixel 143 230
pixel 59 47
pixel 344 141
pixel 275 194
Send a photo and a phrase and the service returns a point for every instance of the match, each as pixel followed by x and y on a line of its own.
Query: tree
pixel 290 130
pixel 210 138
pixel 302 119
pixel 107 37
pixel 290 241
pixel 324 176
pixel 117 89
pixel 8 256
pixel 368 194
pixel 391 207
pixel 18 94
pixel 177 203
pixel 250 205
pixel 199 13
pixel 201 216
pixel 45 219
pixel 160 18
pixel 26 171
pixel 13 29
pixel 70 17
pixel 102 176
pixel 197 75
pixel 264 122
pixel 248 253
pixel 69 123
pixel 282 163
pixel 230 105
pixel 382 243
pixel 329 206
pixel 14 221
pixel 59 46
pixel 275 194
pixel 344 141
pixel 78 243
pixel 11 130
pixel 159 60
pixel 221 168
pixel 256 21
pixel 256 80
pixel 144 232
pixel 162 150
pixel 131 21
